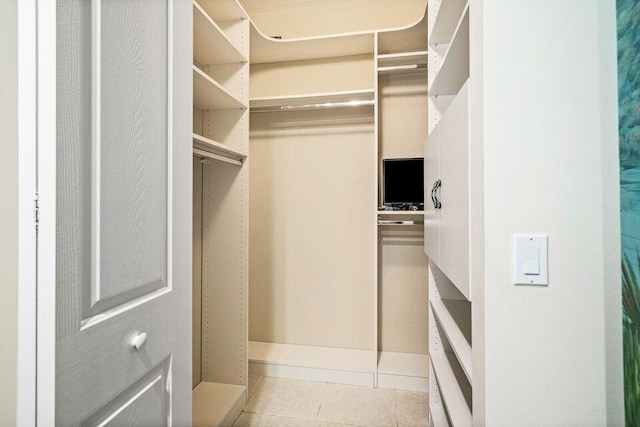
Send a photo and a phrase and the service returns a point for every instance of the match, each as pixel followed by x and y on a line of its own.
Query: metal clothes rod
pixel 402 68
pixel 342 104
pixel 208 155
pixel 389 222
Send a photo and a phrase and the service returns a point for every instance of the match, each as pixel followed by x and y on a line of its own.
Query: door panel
pixel 123 237
pixel 145 403
pixel 431 214
pixel 130 116
pixel 454 172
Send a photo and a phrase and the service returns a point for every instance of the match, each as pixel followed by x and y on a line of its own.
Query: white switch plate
pixel 531 257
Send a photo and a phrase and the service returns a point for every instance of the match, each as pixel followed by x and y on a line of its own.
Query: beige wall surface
pixel 404 293
pixel 553 354
pixel 312 228
pixel 312 76
pixel 8 210
pixel 335 18
pixel 403 286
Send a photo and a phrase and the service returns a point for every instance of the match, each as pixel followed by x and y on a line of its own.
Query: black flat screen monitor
pixel 403 182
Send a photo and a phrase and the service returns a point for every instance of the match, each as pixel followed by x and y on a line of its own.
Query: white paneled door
pixel 123 220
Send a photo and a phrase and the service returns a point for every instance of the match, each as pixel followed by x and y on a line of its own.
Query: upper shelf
pixel 223 10
pixel 208 94
pixel 266 49
pixel 406 39
pixel 215 147
pixel 210 44
pixel 353 98
pixel 446 19
pixel 455 64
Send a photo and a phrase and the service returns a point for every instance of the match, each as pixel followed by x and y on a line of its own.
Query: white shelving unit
pixel 210 43
pixel 456 403
pixel 445 21
pixel 220 149
pixel 404 48
pixel 454 68
pixel 447 159
pixel 208 94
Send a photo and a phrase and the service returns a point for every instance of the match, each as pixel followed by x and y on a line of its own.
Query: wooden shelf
pixel 215 147
pixel 409 38
pixel 455 65
pixel 312 98
pixel 446 312
pixel 266 49
pixel 223 10
pixel 450 390
pixel 445 24
pixel 210 95
pixel 210 44
pixel 216 404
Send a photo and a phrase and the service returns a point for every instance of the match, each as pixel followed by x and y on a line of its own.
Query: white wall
pixel 342 17
pixel 8 209
pixel 553 354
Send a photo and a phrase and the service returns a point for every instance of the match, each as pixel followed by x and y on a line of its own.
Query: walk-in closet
pixel 297 270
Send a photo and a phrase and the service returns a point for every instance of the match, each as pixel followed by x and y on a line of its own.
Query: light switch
pixel 531 260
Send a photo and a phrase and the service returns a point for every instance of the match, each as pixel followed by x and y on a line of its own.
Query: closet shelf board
pixel 450 391
pixel 313 98
pixel 223 10
pixel 455 64
pixel 213 403
pixel 208 94
pixel 266 49
pixel 445 24
pixel 211 45
pixel 445 317
pixel 215 147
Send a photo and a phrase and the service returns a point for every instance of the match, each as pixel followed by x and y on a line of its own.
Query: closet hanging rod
pixel 323 105
pixel 390 222
pixel 402 68
pixel 202 153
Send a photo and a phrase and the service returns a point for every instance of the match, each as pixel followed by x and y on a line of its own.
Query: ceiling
pixel 256 6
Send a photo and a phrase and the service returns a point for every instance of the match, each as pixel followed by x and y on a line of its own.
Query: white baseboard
pixel 401 371
pixel 403 382
pixel 311 374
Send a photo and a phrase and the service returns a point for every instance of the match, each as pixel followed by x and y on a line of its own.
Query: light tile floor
pixel 276 402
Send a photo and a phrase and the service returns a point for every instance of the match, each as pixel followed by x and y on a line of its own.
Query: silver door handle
pixel 138 341
pixel 434 194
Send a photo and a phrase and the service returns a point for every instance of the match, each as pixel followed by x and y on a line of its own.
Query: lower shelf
pixel 216 404
pixel 327 364
pixel 456 399
pixel 403 371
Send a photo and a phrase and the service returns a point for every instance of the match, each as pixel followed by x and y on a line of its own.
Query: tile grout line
pixel 395 406
pixel 324 387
